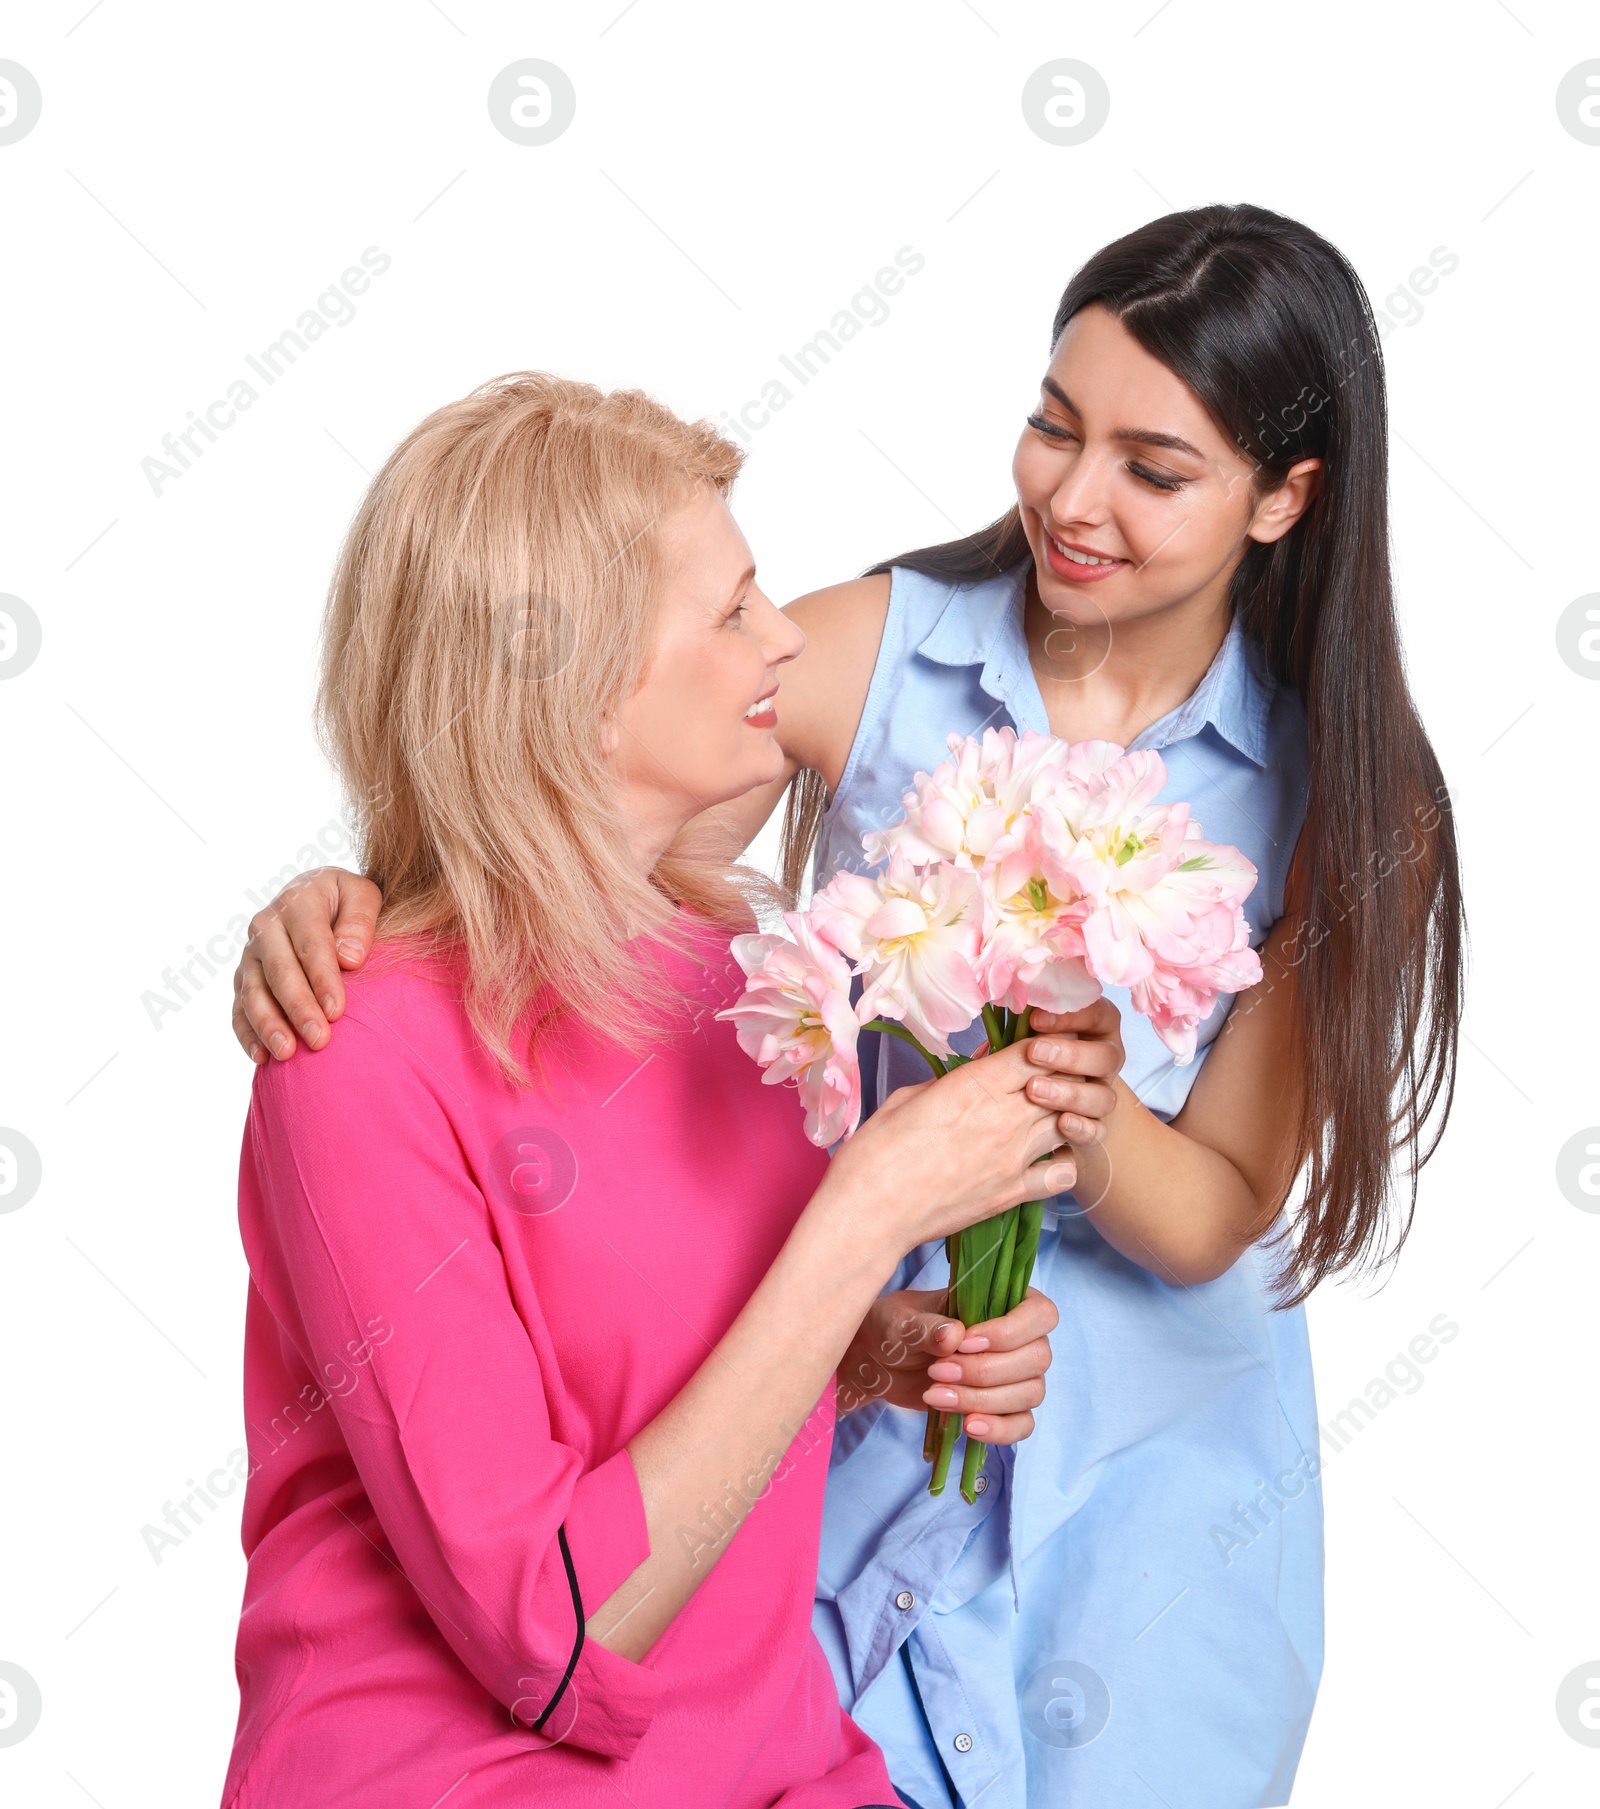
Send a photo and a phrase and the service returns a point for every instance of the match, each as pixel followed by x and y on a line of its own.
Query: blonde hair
pixel 494 596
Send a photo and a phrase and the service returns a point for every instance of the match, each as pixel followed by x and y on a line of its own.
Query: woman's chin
pixel 765 765
pixel 757 768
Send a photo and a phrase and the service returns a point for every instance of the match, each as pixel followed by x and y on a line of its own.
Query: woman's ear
pixel 1280 509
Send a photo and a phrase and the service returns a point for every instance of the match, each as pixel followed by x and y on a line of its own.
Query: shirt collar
pixel 981 625
pixel 1234 698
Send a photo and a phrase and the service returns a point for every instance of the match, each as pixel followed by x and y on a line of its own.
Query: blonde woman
pixel 547 1290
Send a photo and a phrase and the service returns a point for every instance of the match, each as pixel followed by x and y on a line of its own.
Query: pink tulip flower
pixel 795 1018
pixel 914 934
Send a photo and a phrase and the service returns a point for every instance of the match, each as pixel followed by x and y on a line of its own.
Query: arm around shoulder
pixel 290 979
pixel 827 685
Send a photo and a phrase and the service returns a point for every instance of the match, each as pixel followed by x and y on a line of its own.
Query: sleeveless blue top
pixel 1136 1597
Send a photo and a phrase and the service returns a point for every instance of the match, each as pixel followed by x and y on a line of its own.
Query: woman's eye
pixel 1157 480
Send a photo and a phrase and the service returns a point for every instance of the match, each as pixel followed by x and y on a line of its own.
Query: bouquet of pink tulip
pixel 1027 871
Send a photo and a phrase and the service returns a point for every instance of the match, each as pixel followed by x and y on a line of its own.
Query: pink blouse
pixel 465 1298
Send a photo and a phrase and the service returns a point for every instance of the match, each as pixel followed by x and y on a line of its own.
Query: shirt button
pixel 963 1742
pixel 904 1600
pixel 980 1485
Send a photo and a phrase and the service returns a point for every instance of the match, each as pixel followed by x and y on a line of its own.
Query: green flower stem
pixel 971 1468
pixel 991 1263
pixel 1000 1288
pixel 939 1441
pixel 889 1028
pixel 1029 1218
pixel 999 1303
pixel 935 1426
pixel 980 1247
pixel 941 1463
pixel 1030 1214
pixel 974 1284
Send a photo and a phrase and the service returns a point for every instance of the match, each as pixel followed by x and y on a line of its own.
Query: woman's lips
pixel 767 716
pixel 1056 557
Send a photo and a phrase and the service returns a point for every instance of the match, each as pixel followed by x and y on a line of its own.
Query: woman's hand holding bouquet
pixel 1027 873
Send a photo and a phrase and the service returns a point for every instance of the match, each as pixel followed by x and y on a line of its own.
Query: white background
pixel 200 174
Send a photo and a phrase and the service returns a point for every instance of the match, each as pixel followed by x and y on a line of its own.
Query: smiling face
pixel 698 730
pixel 1132 497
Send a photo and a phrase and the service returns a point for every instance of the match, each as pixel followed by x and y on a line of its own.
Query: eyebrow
pixel 1141 436
pixel 746 579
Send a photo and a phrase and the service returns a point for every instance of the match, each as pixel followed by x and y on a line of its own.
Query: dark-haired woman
pixel 1197 562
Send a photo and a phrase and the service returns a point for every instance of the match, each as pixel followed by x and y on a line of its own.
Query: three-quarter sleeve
pixel 371 1244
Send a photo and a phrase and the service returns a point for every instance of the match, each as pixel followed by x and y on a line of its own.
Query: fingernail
pixel 978 1428
pixel 311 1034
pixel 941 1397
pixel 944 1372
pixel 1059 1176
pixel 257 1054
pixel 329 1004
pixel 1044 1051
pixel 351 951
pixel 281 1046
pixel 973 1344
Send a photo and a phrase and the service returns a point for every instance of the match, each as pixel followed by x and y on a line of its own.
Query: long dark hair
pixel 1270 327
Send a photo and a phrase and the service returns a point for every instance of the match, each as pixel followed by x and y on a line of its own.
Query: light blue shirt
pixel 1131 1612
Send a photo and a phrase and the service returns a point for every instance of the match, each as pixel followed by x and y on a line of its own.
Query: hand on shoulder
pixel 289 984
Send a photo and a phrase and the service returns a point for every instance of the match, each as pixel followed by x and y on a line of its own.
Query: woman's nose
pixel 1080 494
pixel 787 642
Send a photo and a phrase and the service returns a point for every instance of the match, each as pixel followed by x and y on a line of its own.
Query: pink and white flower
pixel 975 798
pixel 1161 893
pixel 914 934
pixel 1177 1000
pixel 1026 872
pixel 937 810
pixel 1033 947
pixel 795 1018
